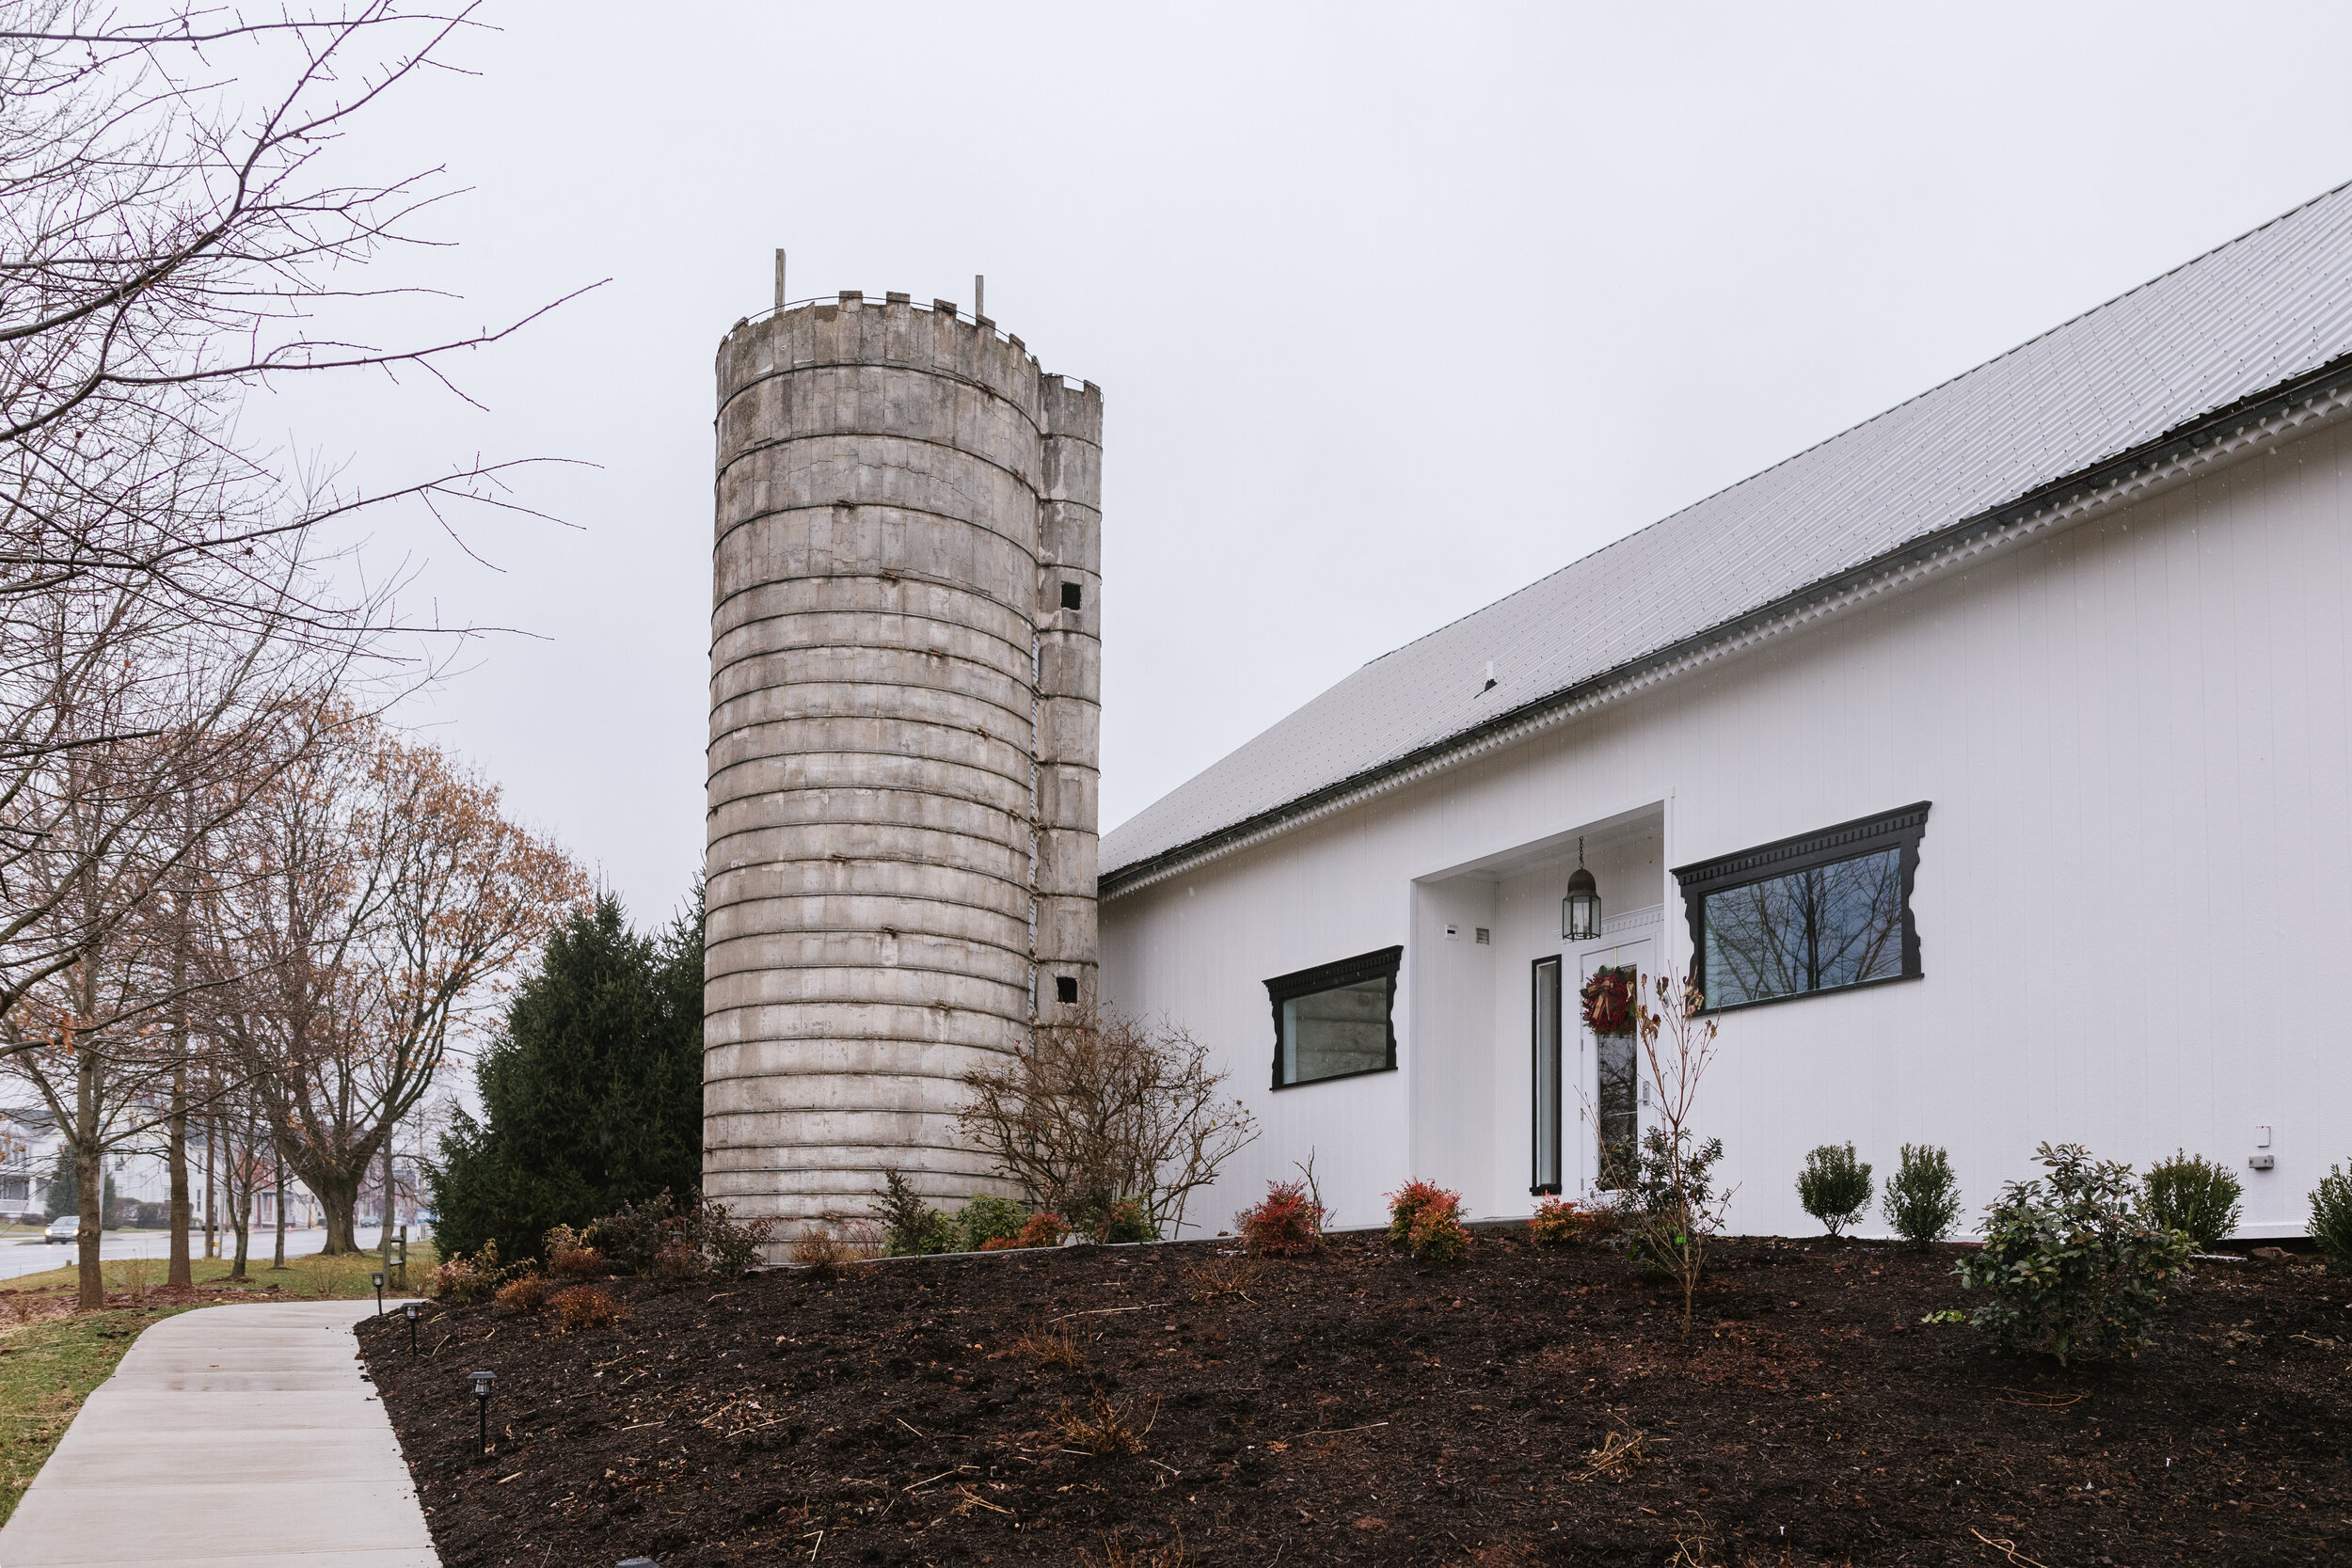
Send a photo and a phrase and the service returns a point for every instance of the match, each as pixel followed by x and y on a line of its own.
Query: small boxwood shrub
pixel 1835 1187
pixel 989 1218
pixel 1286 1223
pixel 2331 1218
pixel 1922 1198
pixel 2076 1265
pixel 2195 1195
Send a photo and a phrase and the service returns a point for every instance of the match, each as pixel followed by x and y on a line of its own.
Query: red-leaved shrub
pixel 1286 1223
pixel 527 1294
pixel 1560 1221
pixel 585 1306
pixel 1407 1202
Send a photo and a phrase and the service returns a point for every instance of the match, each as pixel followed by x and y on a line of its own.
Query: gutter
pixel 2189 450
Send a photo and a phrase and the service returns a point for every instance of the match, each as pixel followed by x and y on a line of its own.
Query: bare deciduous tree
pixel 376 898
pixel 1104 1109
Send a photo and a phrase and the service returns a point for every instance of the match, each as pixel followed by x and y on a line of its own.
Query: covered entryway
pixel 1509 1093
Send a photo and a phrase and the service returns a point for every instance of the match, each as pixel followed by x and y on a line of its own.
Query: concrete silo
pixel 905 669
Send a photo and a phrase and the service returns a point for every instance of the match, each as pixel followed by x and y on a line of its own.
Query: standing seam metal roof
pixel 2239 320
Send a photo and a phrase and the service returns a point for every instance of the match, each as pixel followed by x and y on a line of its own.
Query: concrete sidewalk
pixel 239 1434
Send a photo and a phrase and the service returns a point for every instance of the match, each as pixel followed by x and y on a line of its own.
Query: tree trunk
pixel 90 1278
pixel 212 1141
pixel 338 1197
pixel 90 1176
pixel 277 1201
pixel 241 1221
pixel 180 1272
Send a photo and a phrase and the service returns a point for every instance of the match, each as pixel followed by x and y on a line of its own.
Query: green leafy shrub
pixel 989 1218
pixel 2331 1218
pixel 1125 1221
pixel 1835 1187
pixel 1041 1230
pixel 911 1227
pixel 1674 1202
pixel 1286 1223
pixel 2195 1195
pixel 2076 1265
pixel 1922 1198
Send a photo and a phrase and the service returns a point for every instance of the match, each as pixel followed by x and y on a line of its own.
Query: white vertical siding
pixel 2132 897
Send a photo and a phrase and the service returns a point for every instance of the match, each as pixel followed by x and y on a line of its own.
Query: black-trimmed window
pixel 1827 911
pixel 1337 1020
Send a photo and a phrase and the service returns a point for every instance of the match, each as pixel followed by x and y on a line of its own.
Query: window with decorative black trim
pixel 1336 1020
pixel 1820 911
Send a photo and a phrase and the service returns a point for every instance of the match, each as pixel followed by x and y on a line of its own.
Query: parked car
pixel 63 1228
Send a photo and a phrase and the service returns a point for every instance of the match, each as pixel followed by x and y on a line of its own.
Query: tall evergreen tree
pixel 590 1090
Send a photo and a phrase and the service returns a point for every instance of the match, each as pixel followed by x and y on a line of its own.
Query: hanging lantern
pixel 1579 911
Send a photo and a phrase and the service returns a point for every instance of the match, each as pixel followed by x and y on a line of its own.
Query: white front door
pixel 1608 1070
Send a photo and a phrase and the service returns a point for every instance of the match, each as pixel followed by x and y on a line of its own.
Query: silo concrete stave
pixel 900 816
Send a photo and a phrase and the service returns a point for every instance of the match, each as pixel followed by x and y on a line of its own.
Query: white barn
pixel 1995 752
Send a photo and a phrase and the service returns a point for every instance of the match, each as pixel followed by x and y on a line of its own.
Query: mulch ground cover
pixel 1165 1406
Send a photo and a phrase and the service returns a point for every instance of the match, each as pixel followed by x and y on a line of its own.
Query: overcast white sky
pixel 1395 310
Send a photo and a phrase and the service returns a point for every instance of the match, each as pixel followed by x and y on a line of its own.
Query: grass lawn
pixel 306 1278
pixel 46 1370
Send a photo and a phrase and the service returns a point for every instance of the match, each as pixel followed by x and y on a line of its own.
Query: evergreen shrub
pixel 2331 1218
pixel 2195 1195
pixel 1922 1198
pixel 911 1227
pixel 2076 1265
pixel 1835 1187
pixel 989 1218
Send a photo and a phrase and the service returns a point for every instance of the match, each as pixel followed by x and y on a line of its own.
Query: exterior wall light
pixel 482 1382
pixel 1579 911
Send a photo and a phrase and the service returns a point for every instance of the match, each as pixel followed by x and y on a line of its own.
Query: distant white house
pixel 1991 763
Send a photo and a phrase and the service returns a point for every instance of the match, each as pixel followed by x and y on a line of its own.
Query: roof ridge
pixel 1888 412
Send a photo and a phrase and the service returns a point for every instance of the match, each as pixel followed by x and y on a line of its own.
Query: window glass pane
pixel 1327 1033
pixel 1547 1175
pixel 1836 924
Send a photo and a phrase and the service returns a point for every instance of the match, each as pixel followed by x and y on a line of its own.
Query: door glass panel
pixel 1547 1173
pixel 1614 1065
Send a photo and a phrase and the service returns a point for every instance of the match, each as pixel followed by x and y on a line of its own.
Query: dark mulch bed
pixel 1362 1409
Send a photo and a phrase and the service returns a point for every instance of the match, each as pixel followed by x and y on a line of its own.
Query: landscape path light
pixel 412 1312
pixel 378 1278
pixel 482 1382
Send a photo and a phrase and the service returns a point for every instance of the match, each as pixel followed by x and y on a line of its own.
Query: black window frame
pixel 1901 828
pixel 1383 963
